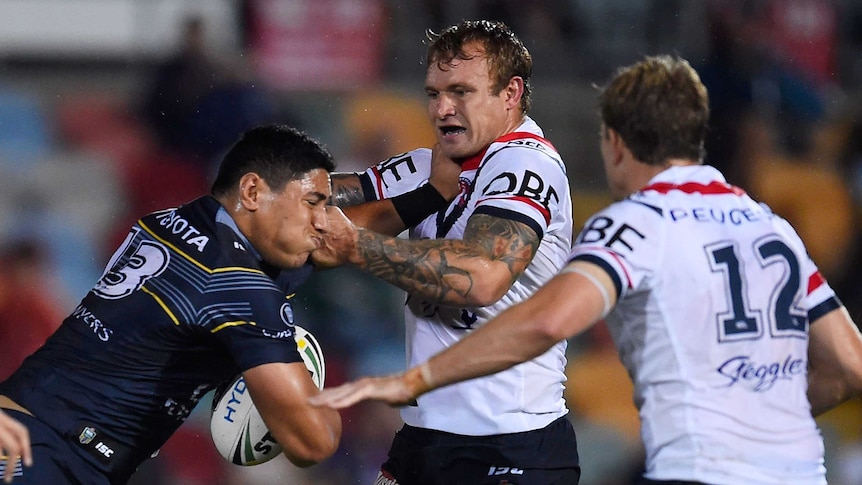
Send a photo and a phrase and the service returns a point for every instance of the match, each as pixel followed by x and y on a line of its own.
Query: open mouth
pixel 452 130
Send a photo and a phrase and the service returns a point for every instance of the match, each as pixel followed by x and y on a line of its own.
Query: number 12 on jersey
pixel 741 321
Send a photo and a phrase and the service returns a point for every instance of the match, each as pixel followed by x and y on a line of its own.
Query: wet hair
pixel 660 109
pixel 277 153
pixel 507 56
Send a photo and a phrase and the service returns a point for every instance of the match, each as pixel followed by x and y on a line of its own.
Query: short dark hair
pixel 659 107
pixel 507 55
pixel 277 153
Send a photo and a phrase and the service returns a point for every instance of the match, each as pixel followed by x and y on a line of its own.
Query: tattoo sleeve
pixel 346 189
pixel 493 253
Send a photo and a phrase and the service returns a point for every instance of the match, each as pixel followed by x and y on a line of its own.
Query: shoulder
pixel 189 228
pixel 640 205
pixel 399 174
pixel 192 232
pixel 524 144
pixel 407 162
pixel 634 209
pixel 624 226
pixel 527 162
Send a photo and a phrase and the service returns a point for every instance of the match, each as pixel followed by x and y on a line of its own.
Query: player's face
pixel 467 117
pixel 288 224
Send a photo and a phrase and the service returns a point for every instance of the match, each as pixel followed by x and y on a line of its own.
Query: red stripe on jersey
pixel 379 182
pixel 472 163
pixel 546 214
pixel 620 262
pixel 815 281
pixel 614 255
pixel 713 188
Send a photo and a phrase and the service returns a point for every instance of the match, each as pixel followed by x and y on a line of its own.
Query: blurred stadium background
pixel 112 108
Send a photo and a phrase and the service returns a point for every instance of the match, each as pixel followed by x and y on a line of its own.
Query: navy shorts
pixel 547 456
pixel 54 461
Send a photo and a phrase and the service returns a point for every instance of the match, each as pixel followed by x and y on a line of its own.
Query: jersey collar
pixel 527 129
pixel 702 179
pixel 222 217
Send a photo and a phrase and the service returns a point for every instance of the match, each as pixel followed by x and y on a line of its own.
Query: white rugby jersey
pixel 521 177
pixel 715 297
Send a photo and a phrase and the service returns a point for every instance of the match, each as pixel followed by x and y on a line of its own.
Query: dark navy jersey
pixel 184 305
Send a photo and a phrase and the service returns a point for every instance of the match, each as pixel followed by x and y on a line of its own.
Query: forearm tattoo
pixel 346 189
pixel 445 270
pixel 513 243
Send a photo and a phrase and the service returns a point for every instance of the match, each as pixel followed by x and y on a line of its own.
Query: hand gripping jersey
pixel 715 297
pixel 519 177
pixel 183 306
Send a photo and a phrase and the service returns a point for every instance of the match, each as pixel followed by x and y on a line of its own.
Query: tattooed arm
pixel 377 215
pixel 520 333
pixel 346 189
pixel 476 270
pixel 388 217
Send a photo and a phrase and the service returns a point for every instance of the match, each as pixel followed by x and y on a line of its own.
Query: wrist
pixel 355 256
pixel 418 380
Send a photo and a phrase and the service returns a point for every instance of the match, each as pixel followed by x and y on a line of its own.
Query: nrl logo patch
pixel 87 435
pixel 287 314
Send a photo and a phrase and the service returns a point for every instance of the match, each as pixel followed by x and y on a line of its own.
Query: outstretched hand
pixel 14 443
pixel 389 389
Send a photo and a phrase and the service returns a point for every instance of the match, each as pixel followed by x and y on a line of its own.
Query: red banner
pixel 317 44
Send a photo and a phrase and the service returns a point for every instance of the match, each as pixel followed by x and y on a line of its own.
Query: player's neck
pixel 680 162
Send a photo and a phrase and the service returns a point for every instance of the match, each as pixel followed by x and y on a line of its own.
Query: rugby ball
pixel 236 427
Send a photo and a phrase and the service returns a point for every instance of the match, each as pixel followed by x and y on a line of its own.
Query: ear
pixel 617 144
pixel 251 186
pixel 513 92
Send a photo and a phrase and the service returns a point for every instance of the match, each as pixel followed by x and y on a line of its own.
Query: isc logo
pixel 104 449
pixel 236 394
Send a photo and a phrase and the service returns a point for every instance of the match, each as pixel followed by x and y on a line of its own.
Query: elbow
pixel 486 293
pixel 313 451
pixel 828 389
pixel 482 299
pixel 550 327
pixel 310 457
pixel 850 376
pixel 854 383
pixel 313 444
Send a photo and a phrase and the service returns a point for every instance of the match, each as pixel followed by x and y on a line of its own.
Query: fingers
pixel 14 443
pixel 339 397
pixel 337 241
pixel 390 390
pixel 10 469
pixel 26 448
